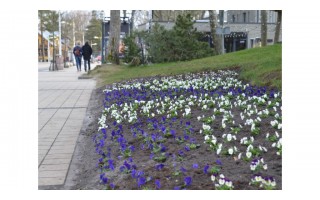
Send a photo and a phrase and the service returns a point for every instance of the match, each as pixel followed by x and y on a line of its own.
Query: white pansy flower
pixel 214 140
pixel 257 178
pixel 265 166
pixel 253 127
pixel 218 151
pixel 235 148
pixel 229 137
pixel 230 151
pixel 274 123
pixel 221 181
pixel 248 154
pixel 229 184
pixel 223 125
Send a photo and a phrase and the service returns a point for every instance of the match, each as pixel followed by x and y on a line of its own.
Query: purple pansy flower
pixel 157 183
pixel 187 180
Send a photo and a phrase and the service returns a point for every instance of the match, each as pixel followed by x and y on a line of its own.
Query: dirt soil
pixel 84 173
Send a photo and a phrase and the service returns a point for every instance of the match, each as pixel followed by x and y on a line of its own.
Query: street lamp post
pixel 59 34
pixel 102 37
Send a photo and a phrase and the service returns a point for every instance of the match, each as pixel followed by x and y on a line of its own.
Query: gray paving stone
pixel 57 161
pixel 52 173
pixel 59 156
pixel 50 181
pixel 62 104
pixel 53 167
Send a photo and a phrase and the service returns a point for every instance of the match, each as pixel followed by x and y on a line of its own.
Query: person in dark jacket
pixel 77 52
pixel 86 52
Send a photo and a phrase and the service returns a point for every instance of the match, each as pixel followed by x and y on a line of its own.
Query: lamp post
pixel 102 37
pixel 59 33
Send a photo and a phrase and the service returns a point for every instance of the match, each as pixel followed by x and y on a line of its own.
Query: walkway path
pixel 62 104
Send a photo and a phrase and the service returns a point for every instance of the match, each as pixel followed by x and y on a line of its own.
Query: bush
pixel 132 50
pixel 179 44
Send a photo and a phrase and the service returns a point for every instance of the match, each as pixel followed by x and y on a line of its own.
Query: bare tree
pixel 264 28
pixel 132 20
pixel 41 15
pixel 113 45
pixel 278 26
pixel 213 23
pixel 171 15
pixel 141 16
pixel 81 20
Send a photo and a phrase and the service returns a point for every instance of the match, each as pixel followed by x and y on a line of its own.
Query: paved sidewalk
pixel 62 103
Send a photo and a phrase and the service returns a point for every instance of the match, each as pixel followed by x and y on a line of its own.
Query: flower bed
pixel 196 131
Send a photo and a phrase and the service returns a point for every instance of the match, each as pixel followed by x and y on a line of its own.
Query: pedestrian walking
pixel 86 52
pixel 77 52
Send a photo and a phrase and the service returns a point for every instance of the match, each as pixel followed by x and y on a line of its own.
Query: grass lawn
pixel 259 66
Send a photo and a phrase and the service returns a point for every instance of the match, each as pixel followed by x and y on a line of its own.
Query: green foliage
pixel 94 32
pixel 50 17
pixel 179 44
pixel 132 50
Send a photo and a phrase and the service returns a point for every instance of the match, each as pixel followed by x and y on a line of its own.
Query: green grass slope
pixel 259 66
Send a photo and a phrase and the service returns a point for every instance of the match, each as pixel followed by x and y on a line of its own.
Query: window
pixel 244 17
pixel 233 18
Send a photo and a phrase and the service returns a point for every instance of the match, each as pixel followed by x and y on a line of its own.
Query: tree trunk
pixel 133 12
pixel 113 46
pixel 264 28
pixel 279 21
pixel 41 30
pixel 215 41
pixel 42 44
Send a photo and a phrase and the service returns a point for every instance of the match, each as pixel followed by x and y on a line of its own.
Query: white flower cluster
pixel 222 183
pixel 276 124
pixel 267 182
pixel 206 129
pixel 232 150
pixel 102 122
pixel 256 164
pixel 229 137
pixel 247 142
pixel 278 145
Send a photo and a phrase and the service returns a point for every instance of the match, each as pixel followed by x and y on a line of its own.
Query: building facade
pixel 244 28
pixel 48 44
